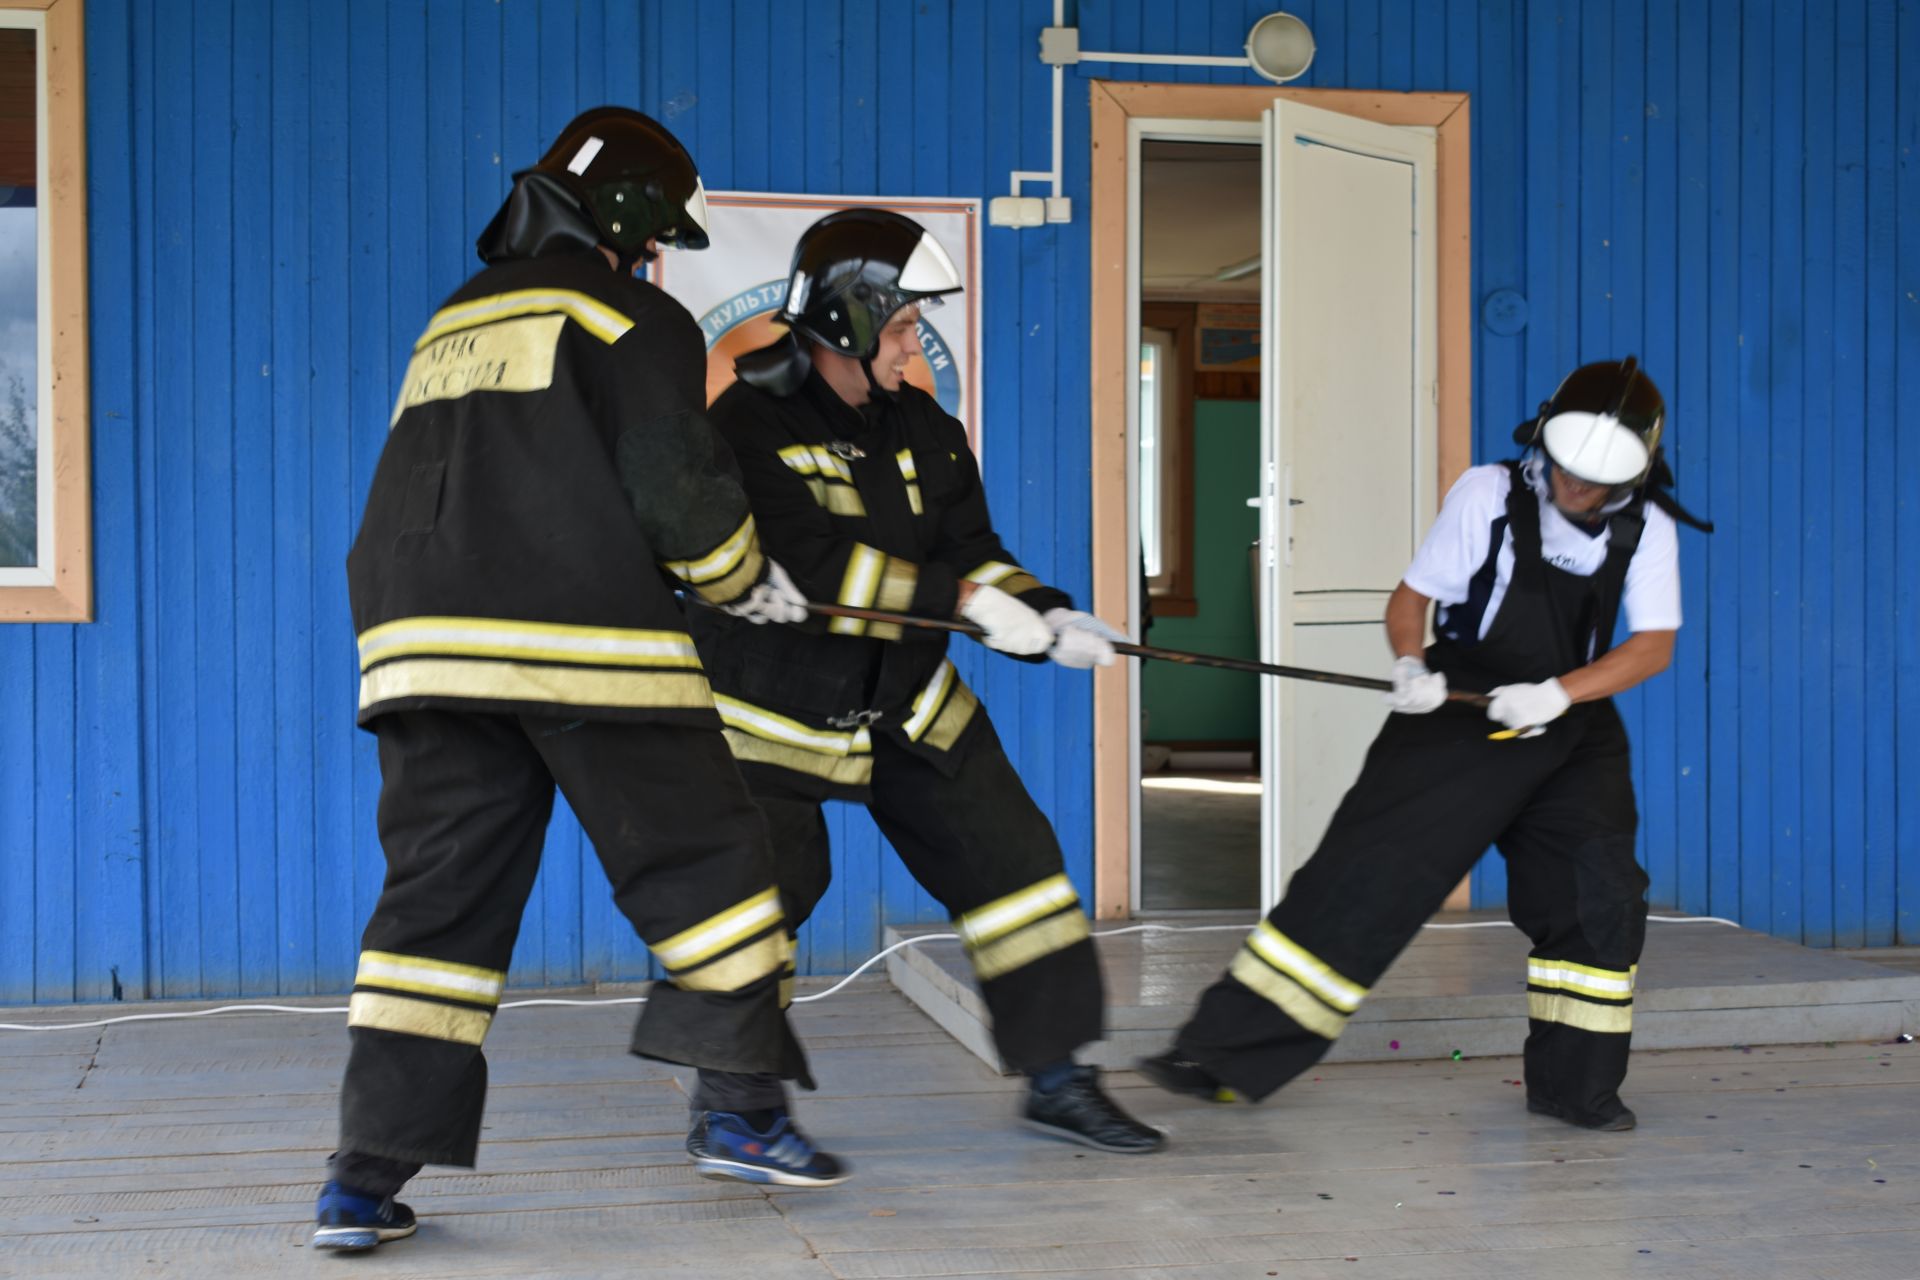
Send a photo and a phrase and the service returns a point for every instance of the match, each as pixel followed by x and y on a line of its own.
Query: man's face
pixel 899 344
pixel 1574 496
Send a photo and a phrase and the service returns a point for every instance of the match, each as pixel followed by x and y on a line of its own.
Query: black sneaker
pixel 1176 1074
pixel 1080 1111
pixel 348 1219
pixel 1618 1122
pixel 725 1147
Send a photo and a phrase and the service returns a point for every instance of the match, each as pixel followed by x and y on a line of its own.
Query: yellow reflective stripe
pixel 830 463
pixel 897 583
pixel 762 723
pixel 858 586
pixel 786 991
pixel 992 572
pixel 737 969
pixel 719 931
pixel 1309 970
pixel 1019 584
pixel 953 718
pixel 799 457
pixel 418 1017
pixel 1282 991
pixel 839 499
pixel 1017 950
pixel 535 641
pixel 720 561
pixel 1002 916
pixel 913 500
pixel 1614 984
pixel 517 682
pixel 738 583
pixel 851 771
pixel 928 701
pixel 1571 1012
pixel 430 977
pixel 596 317
pixel 907 469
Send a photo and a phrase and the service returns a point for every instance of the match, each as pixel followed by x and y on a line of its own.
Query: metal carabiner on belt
pixel 855 719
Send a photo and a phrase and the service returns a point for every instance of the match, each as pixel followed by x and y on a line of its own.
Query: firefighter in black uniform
pixel 1530 562
pixel 868 492
pixel 550 479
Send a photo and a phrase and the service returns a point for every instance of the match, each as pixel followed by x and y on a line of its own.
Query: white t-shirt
pixel 1456 548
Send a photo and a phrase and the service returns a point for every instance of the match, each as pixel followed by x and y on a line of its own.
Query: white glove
pixel 1528 706
pixel 1080 640
pixel 1010 626
pixel 1416 690
pixel 773 599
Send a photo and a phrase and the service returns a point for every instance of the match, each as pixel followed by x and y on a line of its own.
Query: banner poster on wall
pixel 736 287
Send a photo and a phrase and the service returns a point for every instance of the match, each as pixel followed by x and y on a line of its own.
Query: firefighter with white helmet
pixel 1529 563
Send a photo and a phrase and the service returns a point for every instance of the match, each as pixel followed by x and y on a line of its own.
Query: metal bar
pixel 1144 651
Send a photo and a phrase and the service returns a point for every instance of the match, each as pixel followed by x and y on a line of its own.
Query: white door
pixel 1349 403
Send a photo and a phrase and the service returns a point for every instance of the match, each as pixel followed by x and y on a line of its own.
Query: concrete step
pixel 1460 988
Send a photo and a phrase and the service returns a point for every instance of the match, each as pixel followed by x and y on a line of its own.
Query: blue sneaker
pixel 349 1219
pixel 724 1146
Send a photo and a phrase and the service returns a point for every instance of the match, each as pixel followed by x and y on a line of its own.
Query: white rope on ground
pixel 867 964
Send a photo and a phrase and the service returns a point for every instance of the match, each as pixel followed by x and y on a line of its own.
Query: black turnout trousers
pixel 1433 795
pixel 464 806
pixel 977 842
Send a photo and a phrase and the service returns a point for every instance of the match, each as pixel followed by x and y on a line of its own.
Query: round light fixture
pixel 1280 47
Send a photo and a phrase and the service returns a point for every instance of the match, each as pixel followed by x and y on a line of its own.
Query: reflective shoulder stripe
pixel 908 470
pixel 596 317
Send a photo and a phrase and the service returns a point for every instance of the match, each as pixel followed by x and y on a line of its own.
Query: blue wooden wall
pixel 280 194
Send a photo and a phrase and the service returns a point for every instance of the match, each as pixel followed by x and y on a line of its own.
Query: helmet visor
pixel 1595 447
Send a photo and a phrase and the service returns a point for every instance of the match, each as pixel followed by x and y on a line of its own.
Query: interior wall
pixel 1199 704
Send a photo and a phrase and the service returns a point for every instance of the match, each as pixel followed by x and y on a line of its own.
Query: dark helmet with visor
pixel 853 270
pixel 634 177
pixel 1602 425
pixel 613 168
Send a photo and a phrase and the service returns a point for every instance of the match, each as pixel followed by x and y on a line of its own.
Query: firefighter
pixel 548 482
pixel 868 492
pixel 1529 562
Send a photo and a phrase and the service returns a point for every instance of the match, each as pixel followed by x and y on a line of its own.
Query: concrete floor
pixel 1199 841
pixel 190 1149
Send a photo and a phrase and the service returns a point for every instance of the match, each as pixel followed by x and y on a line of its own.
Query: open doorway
pixel 1196 465
pixel 1338 170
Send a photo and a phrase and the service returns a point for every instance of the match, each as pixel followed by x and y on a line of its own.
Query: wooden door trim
pixel 1113 104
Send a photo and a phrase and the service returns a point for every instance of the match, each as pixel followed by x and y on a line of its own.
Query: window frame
pixel 1171 591
pixel 60 586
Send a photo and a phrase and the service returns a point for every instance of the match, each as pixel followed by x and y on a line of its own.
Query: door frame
pixel 1114 279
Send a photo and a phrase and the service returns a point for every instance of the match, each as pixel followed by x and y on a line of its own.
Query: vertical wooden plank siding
pixel 280 197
